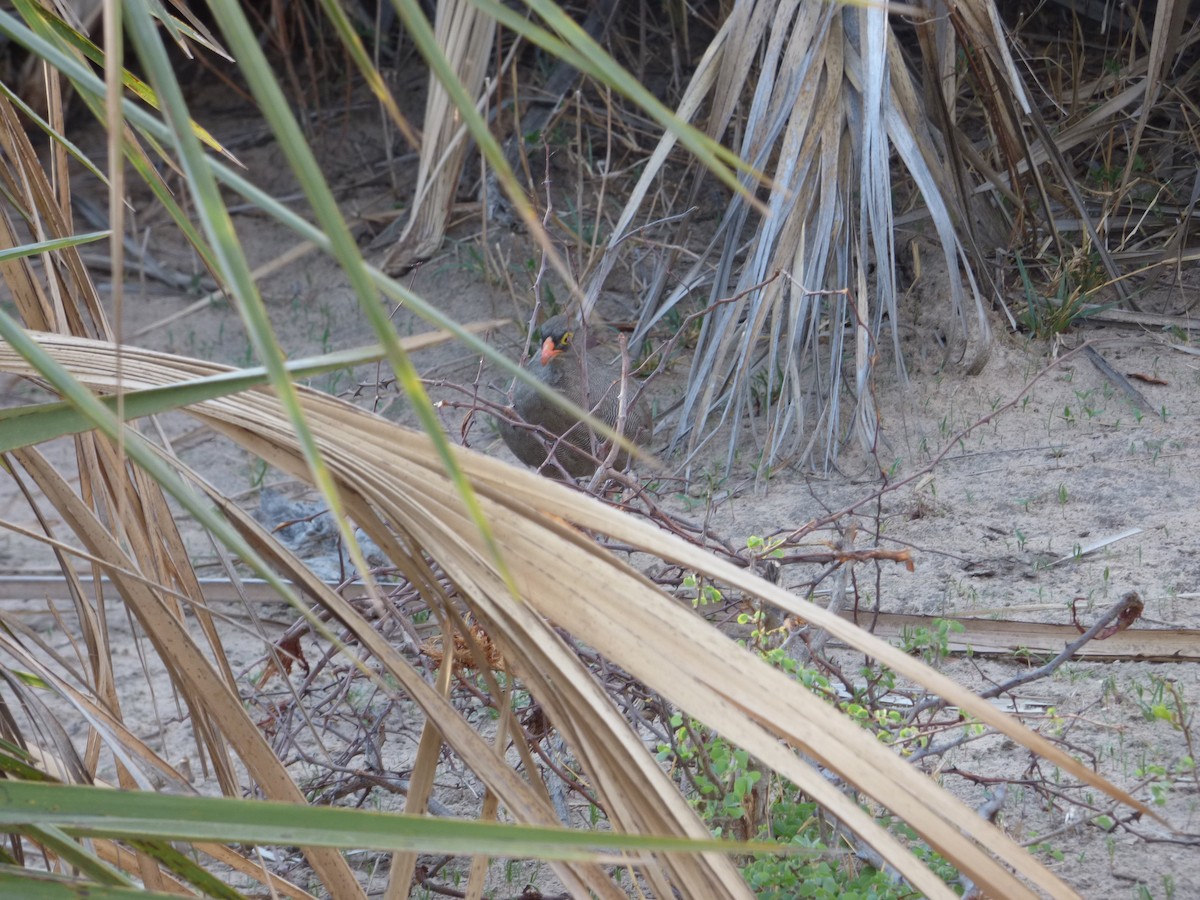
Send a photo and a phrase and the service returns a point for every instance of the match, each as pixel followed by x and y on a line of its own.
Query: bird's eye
pixel 565 340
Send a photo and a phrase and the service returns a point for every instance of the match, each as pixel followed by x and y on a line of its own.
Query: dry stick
pixel 1184 727
pixel 609 259
pixel 358 779
pixel 676 524
pixel 608 149
pixel 988 811
pixel 1119 381
pixel 664 354
pixel 536 287
pixel 1145 319
pixel 1127 601
pixel 566 778
pixel 1042 837
pixel 469 418
pixel 837 597
pixel 625 402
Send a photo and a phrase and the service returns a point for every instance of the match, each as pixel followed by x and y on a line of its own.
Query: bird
pixel 562 364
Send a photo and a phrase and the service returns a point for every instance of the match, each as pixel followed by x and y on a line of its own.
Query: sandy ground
pixel 1068 463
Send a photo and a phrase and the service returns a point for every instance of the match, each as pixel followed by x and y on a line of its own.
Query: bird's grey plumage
pixel 560 366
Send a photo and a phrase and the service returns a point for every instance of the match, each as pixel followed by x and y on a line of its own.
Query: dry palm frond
pixel 123 517
pixel 400 497
pixel 827 99
pixel 823 101
pixel 465 35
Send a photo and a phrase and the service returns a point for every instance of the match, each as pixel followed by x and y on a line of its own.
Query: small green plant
pixel 706 591
pixel 1031 658
pixel 725 782
pixel 735 796
pixel 761 548
pixel 931 644
pixel 759 466
pixel 766 387
pixel 1162 703
pixel 1045 847
pixel 719 773
pixel 1046 315
pixel 258 472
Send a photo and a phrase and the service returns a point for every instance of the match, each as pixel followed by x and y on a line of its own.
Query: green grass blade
pixel 358 53
pixel 72 150
pixel 102 812
pixel 186 869
pixel 29 884
pixel 21 426
pixel 54 839
pixel 222 236
pixel 54 244
pixel 51 26
pixel 244 44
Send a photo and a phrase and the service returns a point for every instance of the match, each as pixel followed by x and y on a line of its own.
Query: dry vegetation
pixel 675 653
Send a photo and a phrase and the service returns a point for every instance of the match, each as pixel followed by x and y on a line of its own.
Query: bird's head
pixel 557 335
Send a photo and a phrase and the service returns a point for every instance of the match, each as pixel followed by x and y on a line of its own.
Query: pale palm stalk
pixel 465 35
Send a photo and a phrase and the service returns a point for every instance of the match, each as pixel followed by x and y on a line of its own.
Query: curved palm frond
pixel 399 495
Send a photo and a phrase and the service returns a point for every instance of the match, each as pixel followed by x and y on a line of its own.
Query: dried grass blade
pixel 1098 544
pixel 206 692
